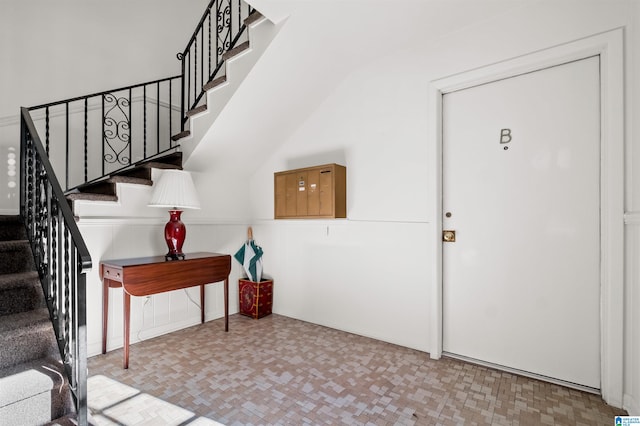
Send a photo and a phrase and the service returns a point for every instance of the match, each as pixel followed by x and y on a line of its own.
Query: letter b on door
pixel 505 135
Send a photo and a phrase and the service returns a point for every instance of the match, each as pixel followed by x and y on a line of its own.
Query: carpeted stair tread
pixel 74 196
pixel 235 51
pixel 16 257
pixel 34 392
pixel 253 18
pixel 20 292
pixel 11 228
pixel 18 279
pixel 33 387
pixel 196 110
pixel 23 319
pixel 180 135
pixel 130 179
pixel 26 335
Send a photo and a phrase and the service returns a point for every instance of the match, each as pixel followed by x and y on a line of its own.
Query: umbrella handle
pixel 249 233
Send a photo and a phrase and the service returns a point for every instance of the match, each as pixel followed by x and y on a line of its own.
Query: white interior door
pixel 521 188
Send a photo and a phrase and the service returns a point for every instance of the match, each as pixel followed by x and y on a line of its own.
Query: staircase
pixel 238 63
pixel 33 387
pixel 36 386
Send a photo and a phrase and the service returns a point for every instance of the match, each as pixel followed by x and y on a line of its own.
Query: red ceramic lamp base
pixel 174 234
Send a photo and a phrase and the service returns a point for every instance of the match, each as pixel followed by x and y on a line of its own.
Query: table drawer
pixel 112 273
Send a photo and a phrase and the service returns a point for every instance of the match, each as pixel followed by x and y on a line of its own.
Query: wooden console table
pixel 144 276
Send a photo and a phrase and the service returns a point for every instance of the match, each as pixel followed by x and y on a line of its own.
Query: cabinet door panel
pixel 301 202
pixel 326 192
pixel 313 192
pixel 292 195
pixel 280 195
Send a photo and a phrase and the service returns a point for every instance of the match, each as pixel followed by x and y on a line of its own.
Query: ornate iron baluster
pixel 116 134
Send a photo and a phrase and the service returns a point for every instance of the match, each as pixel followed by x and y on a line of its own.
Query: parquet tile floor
pixel 281 371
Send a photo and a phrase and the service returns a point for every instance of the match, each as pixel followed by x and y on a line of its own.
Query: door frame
pixel 609 46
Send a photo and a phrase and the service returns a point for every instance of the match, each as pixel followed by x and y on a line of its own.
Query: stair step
pixel 173 160
pixel 101 187
pixel 196 110
pixel 235 51
pixel 180 135
pixel 253 18
pixel 12 228
pixel 131 179
pixel 215 82
pixel 75 196
pixel 16 257
pixel 34 392
pixel 26 336
pixel 20 292
pixel 142 169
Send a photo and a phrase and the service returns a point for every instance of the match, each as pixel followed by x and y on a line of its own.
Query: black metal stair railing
pixel 219 30
pixel 61 257
pixel 90 137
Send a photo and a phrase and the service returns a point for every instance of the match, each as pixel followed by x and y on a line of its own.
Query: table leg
pixel 105 313
pixel 127 312
pixel 202 304
pixel 226 304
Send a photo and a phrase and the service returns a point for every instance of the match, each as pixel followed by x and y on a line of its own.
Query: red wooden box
pixel 256 299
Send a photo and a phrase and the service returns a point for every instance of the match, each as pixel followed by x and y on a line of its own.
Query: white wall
pixel 161 313
pixel 129 228
pixel 373 273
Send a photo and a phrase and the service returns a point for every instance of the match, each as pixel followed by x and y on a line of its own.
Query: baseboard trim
pixel 117 342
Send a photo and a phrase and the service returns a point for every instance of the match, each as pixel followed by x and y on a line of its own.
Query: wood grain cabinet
pixel 312 192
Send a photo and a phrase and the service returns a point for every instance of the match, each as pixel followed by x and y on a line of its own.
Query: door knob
pixel 449 236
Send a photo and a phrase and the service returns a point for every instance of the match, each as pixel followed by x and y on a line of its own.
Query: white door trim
pixel 609 46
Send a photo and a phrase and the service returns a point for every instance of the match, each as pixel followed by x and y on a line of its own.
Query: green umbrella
pixel 250 257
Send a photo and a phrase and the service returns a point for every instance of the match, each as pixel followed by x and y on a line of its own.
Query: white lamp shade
pixel 174 189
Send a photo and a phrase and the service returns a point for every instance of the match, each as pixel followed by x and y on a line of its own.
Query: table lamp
pixel 175 190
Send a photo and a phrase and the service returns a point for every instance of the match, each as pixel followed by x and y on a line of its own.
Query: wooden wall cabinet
pixel 312 193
